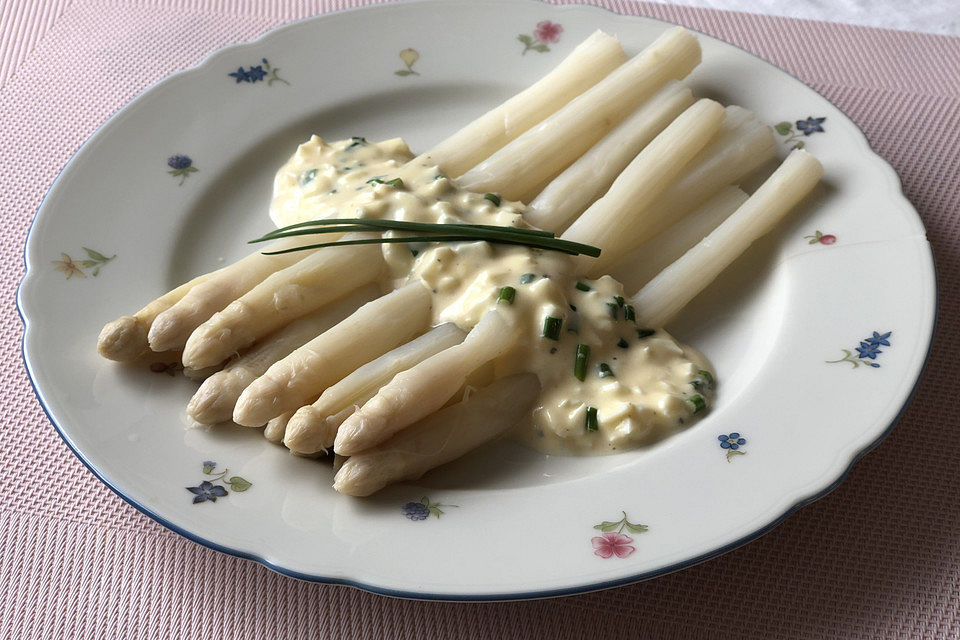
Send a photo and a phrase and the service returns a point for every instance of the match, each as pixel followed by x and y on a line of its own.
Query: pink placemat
pixel 879 557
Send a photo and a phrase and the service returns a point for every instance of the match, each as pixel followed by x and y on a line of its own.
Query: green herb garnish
pixel 307 177
pixel 527 278
pixel 614 310
pixel 606 371
pixel 493 198
pixel 592 423
pixel 645 333
pixel 580 362
pixel 357 141
pixel 551 327
pixel 623 344
pixel 582 286
pixel 629 313
pixel 697 403
pixel 506 295
pixel 396 182
pixel 618 300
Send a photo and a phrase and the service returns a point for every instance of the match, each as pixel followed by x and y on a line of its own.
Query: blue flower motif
pixel 210 463
pixel 731 441
pixel 256 73
pixel 868 350
pixel 415 511
pixel 810 125
pixel 879 339
pixel 240 75
pixel 207 491
pixel 179 162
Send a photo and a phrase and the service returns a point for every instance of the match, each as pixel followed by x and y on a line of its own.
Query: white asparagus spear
pixel 171 328
pixel 425 387
pixel 440 438
pixel 277 427
pixel 314 427
pixel 675 286
pixel 586 65
pixel 612 222
pixel 516 170
pixel 216 398
pixel 369 332
pixel 125 339
pixel 657 253
pixel 284 296
pixel 591 175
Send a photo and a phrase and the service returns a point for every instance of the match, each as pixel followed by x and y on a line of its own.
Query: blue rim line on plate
pixel 415 595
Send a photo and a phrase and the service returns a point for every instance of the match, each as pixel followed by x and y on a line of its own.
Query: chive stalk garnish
pixel 618 300
pixel 582 286
pixel 697 403
pixel 645 333
pixel 527 278
pixel 606 371
pixel 492 198
pixel 629 313
pixel 439 176
pixel 506 295
pixel 706 375
pixel 450 233
pixel 307 177
pixel 592 423
pixel 397 183
pixel 551 327
pixel 357 141
pixel 623 344
pixel 614 310
pixel 581 361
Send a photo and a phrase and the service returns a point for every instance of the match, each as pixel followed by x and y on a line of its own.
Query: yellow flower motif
pixel 68 266
pixel 409 56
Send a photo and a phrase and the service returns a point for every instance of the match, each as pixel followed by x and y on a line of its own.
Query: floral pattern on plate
pixel 409 58
pixel 216 487
pixel 867 351
pixel 818 237
pixel 804 128
pixel 70 267
pixel 546 32
pixel 613 541
pixel 732 442
pixel 181 166
pixel 257 73
pixel 423 509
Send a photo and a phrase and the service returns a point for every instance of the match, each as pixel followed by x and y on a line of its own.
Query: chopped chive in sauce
pixel 572 308
pixel 623 344
pixel 592 422
pixel 493 198
pixel 357 141
pixel 551 327
pixel 506 295
pixel 629 313
pixel 439 176
pixel 581 361
pixel 307 177
pixel 333 190
pixel 618 300
pixel 582 286
pixel 415 252
pixel 527 278
pixel 396 182
pixel 706 375
pixel 606 371
pixel 645 333
pixel 697 403
pixel 614 310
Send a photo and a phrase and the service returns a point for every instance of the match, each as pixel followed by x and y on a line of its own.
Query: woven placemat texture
pixel 878 558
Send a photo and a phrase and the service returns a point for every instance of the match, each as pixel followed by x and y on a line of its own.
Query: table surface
pixel 879 557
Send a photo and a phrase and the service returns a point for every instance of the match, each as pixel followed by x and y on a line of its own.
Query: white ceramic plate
pixel 514 523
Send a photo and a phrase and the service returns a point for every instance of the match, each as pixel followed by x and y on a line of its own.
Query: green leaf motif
pixel 783 128
pixel 542 48
pixel 607 526
pixel 207 469
pixel 96 255
pixel 800 145
pixel 636 528
pixel 435 511
pixel 403 72
pixel 239 484
pixel 86 264
pixel 525 39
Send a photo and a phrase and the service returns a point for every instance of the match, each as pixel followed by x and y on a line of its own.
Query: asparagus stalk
pixel 613 222
pixel 314 427
pixel 518 169
pixel 651 257
pixel 216 398
pixel 587 64
pixel 277 427
pixel 570 193
pixel 663 297
pixel 368 333
pixel 440 438
pixel 422 389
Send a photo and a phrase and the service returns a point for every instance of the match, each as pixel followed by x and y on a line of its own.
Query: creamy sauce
pixel 639 384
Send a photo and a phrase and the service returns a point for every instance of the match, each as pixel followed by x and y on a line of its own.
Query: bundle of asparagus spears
pixel 609 152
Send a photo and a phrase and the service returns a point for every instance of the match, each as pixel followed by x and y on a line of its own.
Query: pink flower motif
pixel 547 31
pixel 610 544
